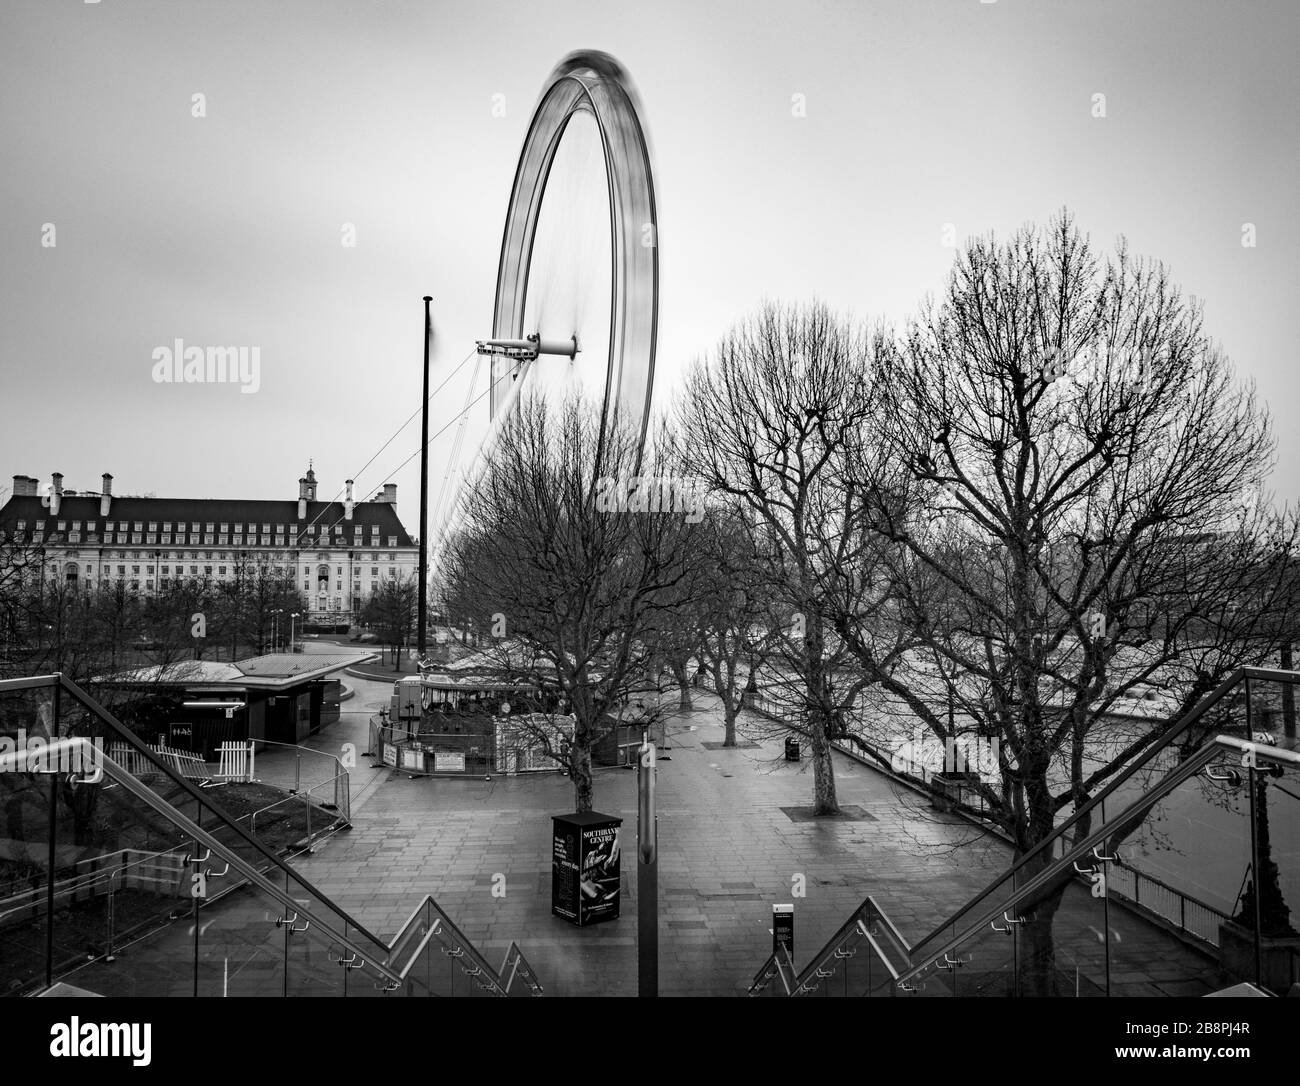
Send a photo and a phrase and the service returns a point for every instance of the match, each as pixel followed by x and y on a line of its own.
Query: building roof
pixel 273 671
pixel 382 515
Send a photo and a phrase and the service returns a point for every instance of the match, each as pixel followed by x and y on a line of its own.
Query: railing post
pixel 53 856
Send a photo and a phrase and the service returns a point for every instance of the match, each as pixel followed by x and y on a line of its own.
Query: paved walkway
pixel 727 851
pixel 732 842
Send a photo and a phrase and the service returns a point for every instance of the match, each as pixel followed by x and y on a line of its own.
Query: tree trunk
pixel 684 685
pixel 824 798
pixel 1038 951
pixel 1037 947
pixel 583 785
pixel 728 723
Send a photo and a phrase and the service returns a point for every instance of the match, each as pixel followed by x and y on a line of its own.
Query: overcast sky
pixel 226 229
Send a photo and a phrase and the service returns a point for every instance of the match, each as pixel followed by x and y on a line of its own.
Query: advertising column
pixel 586 876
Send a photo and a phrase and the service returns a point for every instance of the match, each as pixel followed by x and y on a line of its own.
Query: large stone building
pixel 338 552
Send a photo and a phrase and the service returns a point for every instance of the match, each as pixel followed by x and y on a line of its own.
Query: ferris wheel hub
pixel 529 347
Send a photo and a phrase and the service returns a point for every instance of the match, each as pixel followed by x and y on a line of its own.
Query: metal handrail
pixel 190 829
pixel 471 962
pixel 1208 702
pixel 1131 815
pixel 59 680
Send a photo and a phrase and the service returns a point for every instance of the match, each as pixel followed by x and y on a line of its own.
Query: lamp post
pixel 423 604
pixel 292 619
pixel 275 627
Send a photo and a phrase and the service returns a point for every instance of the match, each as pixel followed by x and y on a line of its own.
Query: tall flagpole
pixel 423 618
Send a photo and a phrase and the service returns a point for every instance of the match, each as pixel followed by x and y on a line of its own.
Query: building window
pixel 74 537
pixel 221 570
pixel 149 585
pixel 108 525
pixel 194 541
pixel 121 571
pixel 167 539
pixel 139 527
pixel 194 571
pixel 137 538
pixel 71 572
pixel 374 587
pixel 392 541
pixel 225 527
pixel 22 525
pixel 207 571
pixel 223 540
pixel 374 571
pixel 209 527
pixel 153 526
pixel 151 540
pixel 167 526
pixel 148 569
pixel 266 529
pixel 135 570
pixel 266 541
pixel 76 525
pixel 208 540
pixel 166 570
pixel 279 541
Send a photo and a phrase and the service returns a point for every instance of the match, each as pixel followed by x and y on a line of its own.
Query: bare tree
pixel 391 611
pixel 767 423
pixel 545 560
pixel 1081 505
pixel 732 619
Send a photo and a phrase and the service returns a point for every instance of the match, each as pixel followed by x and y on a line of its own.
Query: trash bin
pixel 792 750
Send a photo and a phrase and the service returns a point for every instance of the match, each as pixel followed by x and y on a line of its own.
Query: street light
pixel 292 617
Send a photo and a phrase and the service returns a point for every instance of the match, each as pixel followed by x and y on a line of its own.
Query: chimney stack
pixel 106 495
pixel 57 477
pixel 56 493
pixel 24 486
pixel 390 494
pixel 348 503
